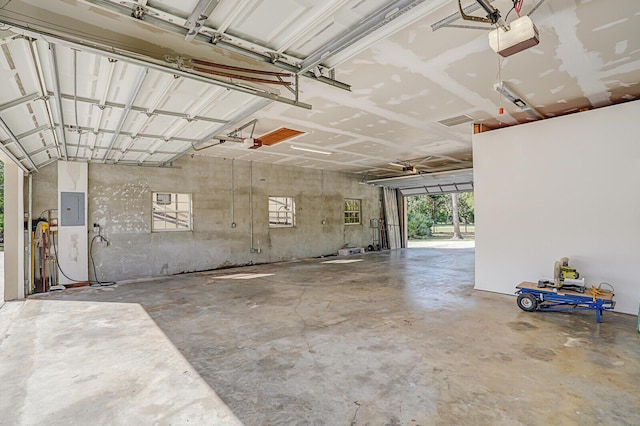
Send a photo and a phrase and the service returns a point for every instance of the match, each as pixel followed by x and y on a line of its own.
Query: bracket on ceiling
pixel 493 15
pixel 237 137
pixel 138 12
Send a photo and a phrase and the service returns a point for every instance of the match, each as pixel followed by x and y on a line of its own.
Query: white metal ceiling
pixel 67 100
pixel 61 103
pixel 405 79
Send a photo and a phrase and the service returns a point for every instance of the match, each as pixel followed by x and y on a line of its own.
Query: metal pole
pixel 27 281
pixel 251 202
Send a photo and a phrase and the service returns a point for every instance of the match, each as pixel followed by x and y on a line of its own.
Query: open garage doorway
pixel 434 220
pixel 426 207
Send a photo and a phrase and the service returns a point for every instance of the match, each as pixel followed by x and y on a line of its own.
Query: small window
pixel 351 212
pixel 171 212
pixel 282 212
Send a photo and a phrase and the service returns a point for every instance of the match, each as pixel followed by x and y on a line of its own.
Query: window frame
pixel 348 212
pixel 173 200
pixel 285 202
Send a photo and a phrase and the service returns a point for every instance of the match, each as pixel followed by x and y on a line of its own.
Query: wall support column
pixel 13 231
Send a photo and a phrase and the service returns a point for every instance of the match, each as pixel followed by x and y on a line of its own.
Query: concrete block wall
pixel 119 199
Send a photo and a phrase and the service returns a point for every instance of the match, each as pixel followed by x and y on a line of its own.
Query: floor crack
pixel 353 419
pixel 303 332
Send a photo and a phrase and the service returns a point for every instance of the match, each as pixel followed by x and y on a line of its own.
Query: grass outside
pixel 445 232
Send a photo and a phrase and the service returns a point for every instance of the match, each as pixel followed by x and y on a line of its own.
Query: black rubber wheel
pixel 527 302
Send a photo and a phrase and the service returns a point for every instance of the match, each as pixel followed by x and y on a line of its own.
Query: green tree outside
pixel 419 217
pixel 425 211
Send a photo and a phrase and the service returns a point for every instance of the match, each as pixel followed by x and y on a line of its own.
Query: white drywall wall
pixel 72 240
pixel 566 186
pixel 13 287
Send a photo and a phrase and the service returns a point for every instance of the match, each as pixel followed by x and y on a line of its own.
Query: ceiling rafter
pixel 19 101
pixel 127 108
pixel 368 25
pixel 304 25
pixel 135 151
pixel 130 134
pixel 150 63
pixel 35 58
pixel 101 105
pixel 145 110
pixel 149 113
pixel 56 95
pixel 19 147
pixel 13 158
pixel 200 106
pixel 29 133
pixel 162 94
pixel 42 149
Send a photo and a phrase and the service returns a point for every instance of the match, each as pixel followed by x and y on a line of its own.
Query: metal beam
pixel 19 101
pixel 225 42
pixel 302 27
pixel 137 151
pixel 170 23
pixel 44 93
pixel 101 105
pixel 145 110
pixel 455 16
pixel 367 26
pixel 29 133
pixel 50 161
pixel 149 164
pixel 130 134
pixel 251 109
pixel 239 7
pixel 283 65
pixel 176 128
pixel 56 90
pixel 174 78
pixel 127 109
pixel 198 16
pixel 14 159
pixel 42 149
pixel 19 146
pixel 149 63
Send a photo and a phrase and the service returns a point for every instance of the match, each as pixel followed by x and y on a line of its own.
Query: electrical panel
pixel 72 209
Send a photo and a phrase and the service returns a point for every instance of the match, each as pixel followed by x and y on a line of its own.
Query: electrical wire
pixel 499 76
pixel 517 6
pixel 241 77
pixel 93 264
pixel 96 281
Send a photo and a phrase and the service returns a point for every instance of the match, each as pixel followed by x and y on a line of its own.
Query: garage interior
pixel 200 176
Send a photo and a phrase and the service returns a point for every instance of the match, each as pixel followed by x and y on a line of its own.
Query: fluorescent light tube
pixel 506 91
pixel 317 151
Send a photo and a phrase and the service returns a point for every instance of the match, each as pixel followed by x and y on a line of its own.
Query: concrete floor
pixel 397 338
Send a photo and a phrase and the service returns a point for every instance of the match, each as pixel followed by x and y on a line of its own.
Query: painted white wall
pixel 72 240
pixel 13 231
pixel 567 186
